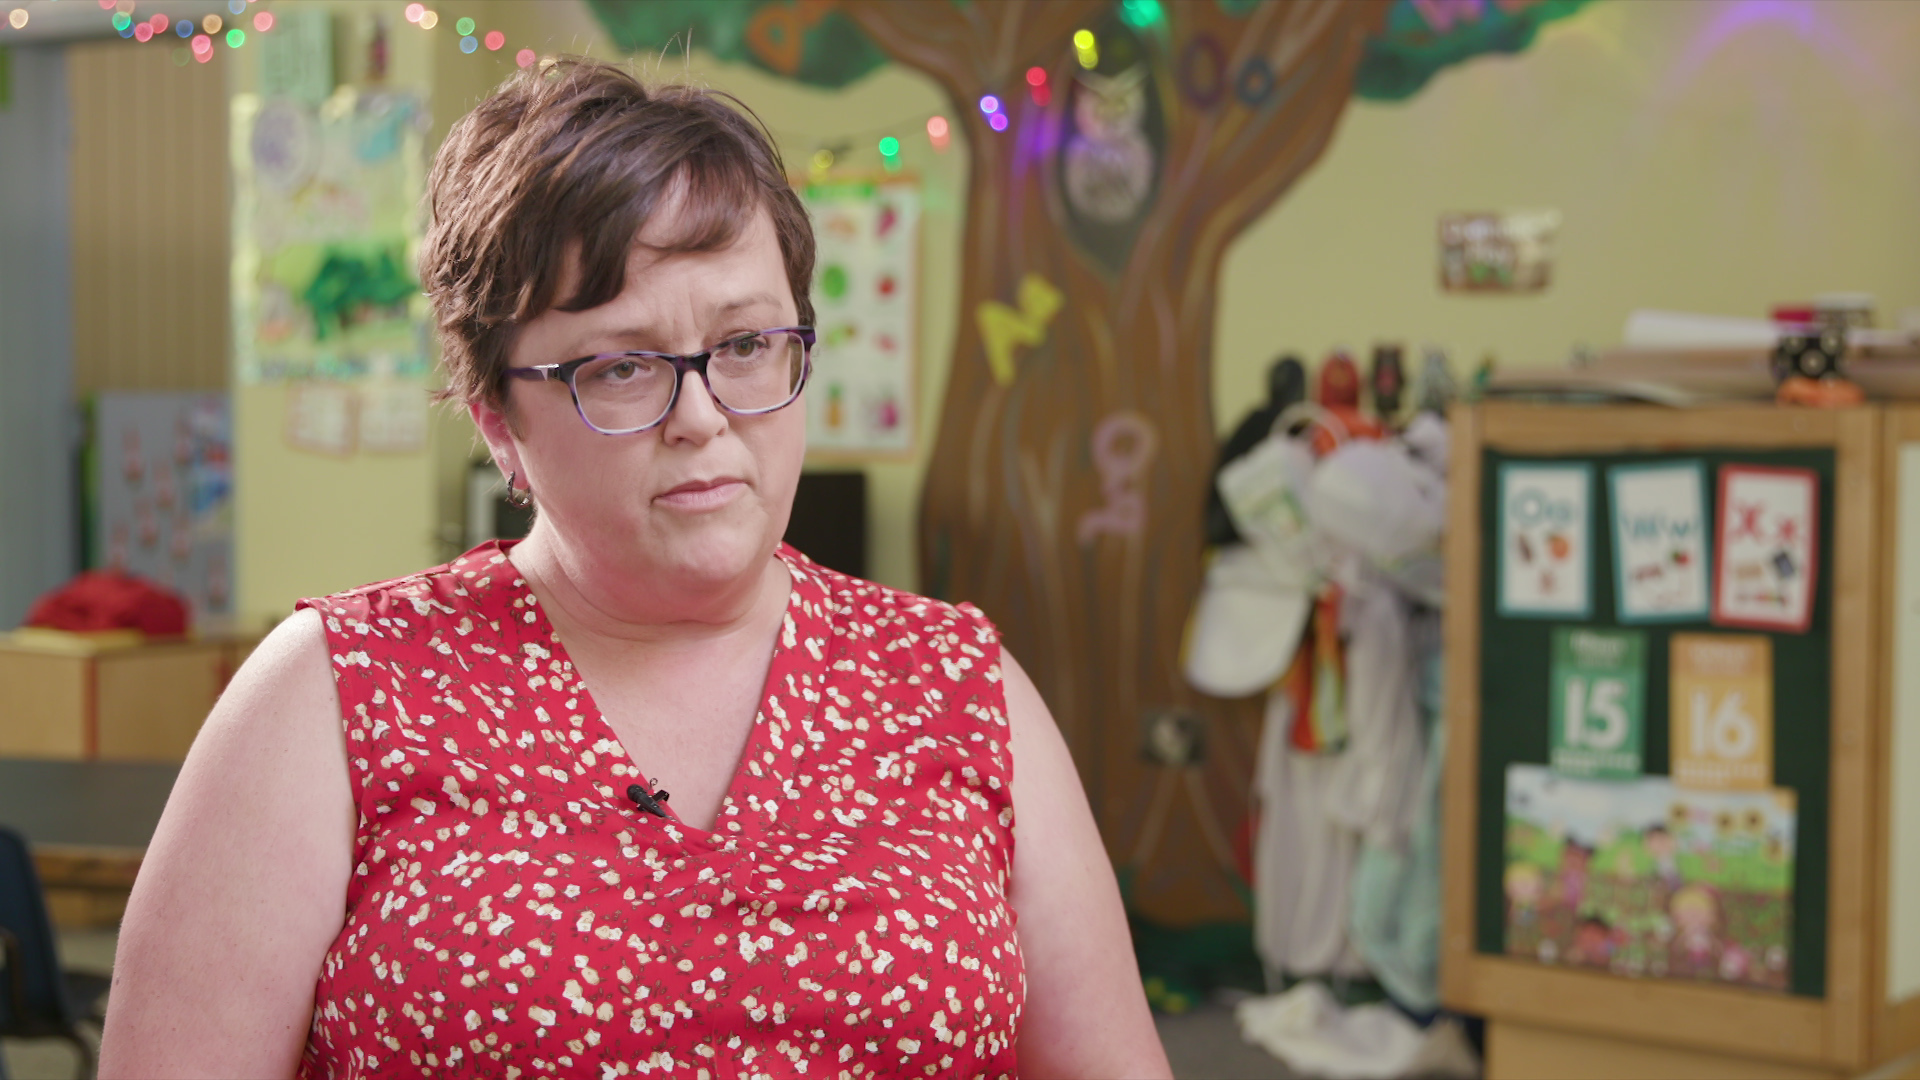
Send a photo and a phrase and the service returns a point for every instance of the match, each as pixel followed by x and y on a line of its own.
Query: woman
pixel 647 793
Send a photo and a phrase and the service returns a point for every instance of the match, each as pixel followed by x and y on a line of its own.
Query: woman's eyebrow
pixel 753 300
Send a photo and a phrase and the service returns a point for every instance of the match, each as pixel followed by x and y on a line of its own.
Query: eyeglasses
pixel 626 392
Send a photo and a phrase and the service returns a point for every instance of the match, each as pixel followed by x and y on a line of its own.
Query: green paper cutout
pixel 829 50
pixel 1423 36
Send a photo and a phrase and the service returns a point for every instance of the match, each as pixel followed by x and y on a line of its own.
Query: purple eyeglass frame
pixel 681 365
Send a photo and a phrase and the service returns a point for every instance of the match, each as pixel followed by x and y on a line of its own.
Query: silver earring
pixel 518 498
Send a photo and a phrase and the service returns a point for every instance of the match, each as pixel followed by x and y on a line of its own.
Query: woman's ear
pixel 498 431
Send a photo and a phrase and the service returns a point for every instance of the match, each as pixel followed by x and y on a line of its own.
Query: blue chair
pixel 38 1000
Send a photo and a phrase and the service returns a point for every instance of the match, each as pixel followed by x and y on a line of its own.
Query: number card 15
pixel 1599 702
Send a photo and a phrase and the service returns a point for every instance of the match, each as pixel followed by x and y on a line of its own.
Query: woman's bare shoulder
pixel 243 888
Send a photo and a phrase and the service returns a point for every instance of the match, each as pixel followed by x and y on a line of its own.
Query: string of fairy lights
pixel 197 40
pixel 198 44
pixel 1139 14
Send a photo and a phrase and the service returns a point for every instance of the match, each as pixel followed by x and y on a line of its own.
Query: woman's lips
pixel 703 494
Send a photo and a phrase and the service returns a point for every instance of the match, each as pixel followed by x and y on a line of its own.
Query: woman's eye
pixel 748 347
pixel 624 369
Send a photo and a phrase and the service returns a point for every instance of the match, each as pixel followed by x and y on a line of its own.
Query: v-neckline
pixel 757 738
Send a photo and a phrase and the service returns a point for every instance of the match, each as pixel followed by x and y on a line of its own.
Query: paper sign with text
pixel 1660 542
pixel 1599 702
pixel 1766 554
pixel 1720 711
pixel 1546 540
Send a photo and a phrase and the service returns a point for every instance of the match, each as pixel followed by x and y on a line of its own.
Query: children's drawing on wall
pixel 326 213
pixel 865 292
pixel 163 505
pixel 1646 879
pixel 326 219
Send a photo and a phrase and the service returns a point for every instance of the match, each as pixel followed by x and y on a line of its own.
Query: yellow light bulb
pixel 211 24
pixel 17 18
pixel 429 19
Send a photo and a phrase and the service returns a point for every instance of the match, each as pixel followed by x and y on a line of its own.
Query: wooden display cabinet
pixel 1861 1011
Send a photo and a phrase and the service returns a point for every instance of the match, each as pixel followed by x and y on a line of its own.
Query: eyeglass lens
pixel 755 373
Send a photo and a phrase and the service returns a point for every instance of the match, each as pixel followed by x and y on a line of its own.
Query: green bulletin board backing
pixel 1515 662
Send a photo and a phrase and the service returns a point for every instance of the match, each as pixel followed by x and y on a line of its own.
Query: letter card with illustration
pixel 1599 704
pixel 1546 540
pixel 1660 542
pixel 1720 711
pixel 1767 548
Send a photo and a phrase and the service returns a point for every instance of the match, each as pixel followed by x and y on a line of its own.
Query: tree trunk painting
pixel 1076 441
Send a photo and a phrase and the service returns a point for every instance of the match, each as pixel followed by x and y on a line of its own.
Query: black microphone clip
pixel 653 802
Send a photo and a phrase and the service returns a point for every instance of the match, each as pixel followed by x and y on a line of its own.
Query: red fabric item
pixel 512 913
pixel 110 600
pixel 1339 382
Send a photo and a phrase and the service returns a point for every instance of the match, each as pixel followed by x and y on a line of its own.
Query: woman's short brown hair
pixel 567 159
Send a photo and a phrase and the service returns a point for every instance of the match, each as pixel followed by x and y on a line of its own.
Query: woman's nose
pixel 696 416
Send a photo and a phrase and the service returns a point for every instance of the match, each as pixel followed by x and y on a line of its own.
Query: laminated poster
pixel 866 287
pixel 1767 549
pixel 1599 704
pixel 1720 710
pixel 1660 542
pixel 1546 540
pixel 1642 878
pixel 162 495
pixel 326 222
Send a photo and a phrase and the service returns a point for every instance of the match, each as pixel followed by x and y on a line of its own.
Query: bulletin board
pixel 1515 695
pixel 1499 675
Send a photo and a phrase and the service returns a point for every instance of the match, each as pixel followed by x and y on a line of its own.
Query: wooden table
pixel 89 823
pixel 112 696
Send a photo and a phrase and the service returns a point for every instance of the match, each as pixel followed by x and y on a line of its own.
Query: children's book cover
pixel 1642 878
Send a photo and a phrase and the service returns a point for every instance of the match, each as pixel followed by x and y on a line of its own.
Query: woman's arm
pixel 244 886
pixel 1086 1014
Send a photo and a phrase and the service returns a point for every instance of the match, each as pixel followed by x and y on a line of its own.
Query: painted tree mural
pixel 1076 438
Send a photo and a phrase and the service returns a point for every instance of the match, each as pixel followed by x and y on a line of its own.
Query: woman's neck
pixel 595 604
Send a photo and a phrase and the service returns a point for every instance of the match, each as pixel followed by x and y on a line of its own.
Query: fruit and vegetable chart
pixel 1655 682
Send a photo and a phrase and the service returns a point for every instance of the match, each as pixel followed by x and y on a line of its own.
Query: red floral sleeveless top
pixel 513 914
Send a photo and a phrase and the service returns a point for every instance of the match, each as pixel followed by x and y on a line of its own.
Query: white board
pixel 1903 841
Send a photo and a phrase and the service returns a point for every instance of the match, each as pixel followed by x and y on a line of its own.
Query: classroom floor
pixel 1202 1045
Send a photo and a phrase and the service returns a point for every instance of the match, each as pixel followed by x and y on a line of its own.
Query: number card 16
pixel 1721 711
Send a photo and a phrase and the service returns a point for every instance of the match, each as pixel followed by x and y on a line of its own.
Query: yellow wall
pixel 1701 165
pixel 1696 169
